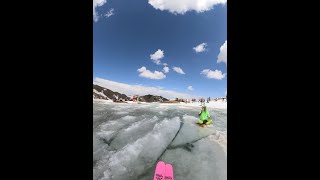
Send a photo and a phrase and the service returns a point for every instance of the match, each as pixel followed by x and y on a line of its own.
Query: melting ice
pixel 129 139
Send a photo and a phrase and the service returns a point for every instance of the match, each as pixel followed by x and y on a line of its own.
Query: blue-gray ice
pixel 129 139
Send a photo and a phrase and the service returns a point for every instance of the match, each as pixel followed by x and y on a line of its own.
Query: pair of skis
pixel 163 171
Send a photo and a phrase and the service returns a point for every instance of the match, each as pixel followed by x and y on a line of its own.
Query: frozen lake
pixel 129 139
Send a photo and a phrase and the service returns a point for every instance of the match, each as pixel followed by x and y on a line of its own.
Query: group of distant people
pixel 203 101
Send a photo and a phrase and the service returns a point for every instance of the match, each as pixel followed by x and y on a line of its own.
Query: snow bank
pixel 103 100
pixel 212 104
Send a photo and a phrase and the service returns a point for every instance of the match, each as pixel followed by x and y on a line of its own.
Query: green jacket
pixel 204 115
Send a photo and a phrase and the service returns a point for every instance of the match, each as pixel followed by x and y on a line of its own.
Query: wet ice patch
pixel 191 131
pixel 106 135
pixel 109 129
pixel 99 149
pixel 132 160
pixel 134 136
pixel 133 132
pixel 122 112
pixel 220 138
pixel 116 124
pixel 205 161
pixel 128 118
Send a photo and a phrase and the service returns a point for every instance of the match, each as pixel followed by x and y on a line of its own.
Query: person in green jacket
pixel 204 117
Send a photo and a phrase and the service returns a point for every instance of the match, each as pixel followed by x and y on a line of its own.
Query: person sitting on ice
pixel 204 117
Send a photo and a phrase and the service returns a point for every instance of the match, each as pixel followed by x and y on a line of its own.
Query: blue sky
pixel 126 33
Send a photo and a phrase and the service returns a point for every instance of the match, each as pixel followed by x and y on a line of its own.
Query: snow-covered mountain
pixel 104 93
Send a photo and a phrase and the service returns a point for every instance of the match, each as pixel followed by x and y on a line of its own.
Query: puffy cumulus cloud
pixel 200 48
pixel 190 88
pixel 97 3
pixel 166 69
pixel 182 6
pixel 178 70
pixel 144 72
pixel 216 74
pixel 222 57
pixel 157 56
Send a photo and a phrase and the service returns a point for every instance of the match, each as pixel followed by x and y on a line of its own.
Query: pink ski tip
pixel 160 170
pixel 168 172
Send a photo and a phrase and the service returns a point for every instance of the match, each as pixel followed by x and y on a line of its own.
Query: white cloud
pixel 165 64
pixel 166 69
pixel 109 13
pixel 139 89
pixel 216 74
pixel 178 70
pixel 190 88
pixel 144 72
pixel 157 56
pixel 97 3
pixel 200 48
pixel 222 57
pixel 182 6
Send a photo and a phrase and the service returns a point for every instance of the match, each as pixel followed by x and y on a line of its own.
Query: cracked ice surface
pixel 129 139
